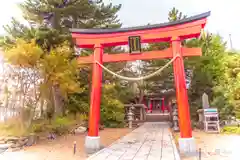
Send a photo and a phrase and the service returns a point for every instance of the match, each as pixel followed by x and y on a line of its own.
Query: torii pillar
pixel 186 138
pixel 174 33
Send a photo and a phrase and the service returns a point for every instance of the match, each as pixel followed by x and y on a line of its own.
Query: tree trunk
pixel 58 101
pixel 41 108
pixel 6 102
pixel 50 111
pixel 141 95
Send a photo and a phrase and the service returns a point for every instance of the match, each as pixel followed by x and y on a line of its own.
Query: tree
pixel 207 70
pixel 75 13
pixel 175 15
pixel 207 73
pixel 50 21
pixel 55 69
pixel 229 86
pixel 112 109
pixel 165 81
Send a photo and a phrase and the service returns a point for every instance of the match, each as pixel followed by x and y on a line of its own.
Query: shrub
pixel 83 117
pixel 37 128
pixel 59 125
pixel 77 104
pixel 13 127
pixel 231 129
pixel 112 110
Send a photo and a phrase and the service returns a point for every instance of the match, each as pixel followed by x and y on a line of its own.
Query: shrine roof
pixel 146 27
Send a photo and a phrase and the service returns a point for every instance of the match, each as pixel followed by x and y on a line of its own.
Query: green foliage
pixel 59 126
pixel 83 13
pixel 231 130
pixel 55 64
pixel 18 30
pixel 175 15
pixel 208 66
pixel 46 46
pixel 165 80
pixel 13 127
pixel 123 92
pixel 77 104
pixel 112 110
pixel 46 38
pixel 83 117
pixel 37 127
pixel 216 73
pixel 49 38
pixel 207 73
pixel 220 101
pixel 230 85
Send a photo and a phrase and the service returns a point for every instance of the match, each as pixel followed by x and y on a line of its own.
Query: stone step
pixel 157 118
pixel 136 123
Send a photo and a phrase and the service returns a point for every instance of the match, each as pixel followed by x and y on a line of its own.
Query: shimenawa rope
pixel 139 78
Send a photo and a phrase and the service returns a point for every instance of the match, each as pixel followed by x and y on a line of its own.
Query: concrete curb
pixel 176 153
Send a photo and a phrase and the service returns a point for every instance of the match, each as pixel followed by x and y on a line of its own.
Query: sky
pixel 141 12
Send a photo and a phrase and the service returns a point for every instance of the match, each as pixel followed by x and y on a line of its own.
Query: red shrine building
pixel 155 104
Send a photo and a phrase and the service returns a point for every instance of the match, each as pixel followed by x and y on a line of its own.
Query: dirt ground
pixel 213 147
pixel 216 146
pixel 62 147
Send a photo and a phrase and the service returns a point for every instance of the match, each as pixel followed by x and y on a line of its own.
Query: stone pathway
pixel 151 141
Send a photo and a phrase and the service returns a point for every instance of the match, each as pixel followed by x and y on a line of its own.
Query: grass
pixel 231 130
pixel 13 127
pixel 59 126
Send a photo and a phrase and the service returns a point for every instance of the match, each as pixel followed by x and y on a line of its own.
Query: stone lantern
pixel 130 116
pixel 175 118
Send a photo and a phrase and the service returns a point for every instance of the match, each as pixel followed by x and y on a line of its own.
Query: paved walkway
pixel 151 141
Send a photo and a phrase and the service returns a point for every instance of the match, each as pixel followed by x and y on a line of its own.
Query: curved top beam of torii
pixel 139 28
pixel 186 28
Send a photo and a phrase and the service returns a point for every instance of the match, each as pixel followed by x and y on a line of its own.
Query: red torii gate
pixel 173 32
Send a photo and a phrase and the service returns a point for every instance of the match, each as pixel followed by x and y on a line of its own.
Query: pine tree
pixel 165 81
pixel 175 15
pixel 50 21
pixel 62 14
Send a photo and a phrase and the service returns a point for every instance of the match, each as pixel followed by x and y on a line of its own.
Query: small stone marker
pixel 74 147
pixel 205 102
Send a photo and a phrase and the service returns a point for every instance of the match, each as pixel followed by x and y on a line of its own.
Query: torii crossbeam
pixel 173 32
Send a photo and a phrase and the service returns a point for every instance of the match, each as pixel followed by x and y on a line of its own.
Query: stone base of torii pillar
pixel 92 144
pixel 187 146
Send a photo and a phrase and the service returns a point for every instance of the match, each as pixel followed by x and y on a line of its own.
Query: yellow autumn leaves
pixel 55 67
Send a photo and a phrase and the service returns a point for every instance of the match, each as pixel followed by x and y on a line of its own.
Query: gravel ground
pixel 216 146
pixel 62 147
